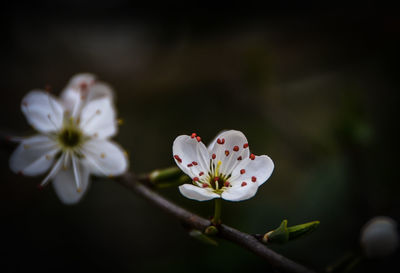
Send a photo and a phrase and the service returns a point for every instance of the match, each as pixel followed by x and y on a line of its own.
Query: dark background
pixel 317 91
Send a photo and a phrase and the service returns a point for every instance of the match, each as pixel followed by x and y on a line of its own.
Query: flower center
pixel 70 137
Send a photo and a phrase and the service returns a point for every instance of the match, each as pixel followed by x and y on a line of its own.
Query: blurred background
pixel 316 91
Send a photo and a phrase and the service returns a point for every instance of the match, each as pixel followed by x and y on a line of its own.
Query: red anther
pixel 201 173
pixel 253 178
pixel 245 145
pixel 244 184
pixel 213 156
pixel 198 139
pixel 242 171
pixel 178 158
pixel 205 185
pixel 236 148
pixel 227 184
pixel 221 141
pixel 83 86
pixel 193 135
pixel 239 158
pixel 196 179
pixel 252 157
pixel 194 163
pixel 190 165
pixel 226 152
pixel 216 178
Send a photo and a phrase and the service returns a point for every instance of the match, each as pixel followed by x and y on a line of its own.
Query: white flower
pixel 73 140
pixel 226 169
pixel 379 237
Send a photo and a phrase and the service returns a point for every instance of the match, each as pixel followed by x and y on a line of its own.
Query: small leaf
pixel 302 230
pixel 197 234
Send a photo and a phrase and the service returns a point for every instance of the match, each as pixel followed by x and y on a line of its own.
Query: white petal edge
pixel 105 158
pixel 65 186
pixel 33 156
pixel 42 111
pixel 189 150
pixel 98 119
pixel 197 193
pixel 239 193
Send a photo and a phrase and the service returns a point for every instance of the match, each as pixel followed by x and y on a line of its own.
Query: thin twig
pixel 192 220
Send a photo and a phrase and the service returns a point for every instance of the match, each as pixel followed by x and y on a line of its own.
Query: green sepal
pixel 302 230
pixel 197 234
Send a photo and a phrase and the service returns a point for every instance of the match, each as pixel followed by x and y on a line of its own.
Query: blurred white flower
pixel 73 140
pixel 379 237
pixel 225 169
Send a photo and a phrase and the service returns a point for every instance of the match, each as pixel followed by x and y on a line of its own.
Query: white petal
pixel 238 192
pixel 65 186
pixel 98 119
pixel 231 149
pixel 33 155
pixel 105 157
pixel 196 193
pixel 42 111
pixel 261 168
pixel 100 90
pixel 82 79
pixel 189 150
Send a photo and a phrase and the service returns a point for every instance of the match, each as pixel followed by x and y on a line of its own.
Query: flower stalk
pixel 217 211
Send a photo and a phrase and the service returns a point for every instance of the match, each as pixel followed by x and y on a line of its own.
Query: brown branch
pixel 192 220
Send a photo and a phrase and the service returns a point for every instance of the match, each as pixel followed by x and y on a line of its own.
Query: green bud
pixel 197 234
pixel 165 174
pixel 279 235
pixel 211 230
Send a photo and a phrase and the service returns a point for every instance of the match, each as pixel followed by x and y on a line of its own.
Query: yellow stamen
pixel 217 169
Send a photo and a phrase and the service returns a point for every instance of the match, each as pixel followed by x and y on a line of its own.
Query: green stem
pixel 217 213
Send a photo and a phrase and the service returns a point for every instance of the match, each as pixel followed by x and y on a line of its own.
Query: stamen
pixel 244 184
pixel 253 178
pixel 252 157
pixel 102 155
pixel 245 145
pixel 201 173
pixel 217 169
pixel 194 163
pixel 193 135
pixel 239 158
pixel 226 152
pixel 190 165
pixel 221 141
pixel 242 171
pixel 216 179
pixel 198 139
pixel 227 184
pixel 213 156
pixel 196 179
pixel 205 185
pixel 236 148
pixel 178 158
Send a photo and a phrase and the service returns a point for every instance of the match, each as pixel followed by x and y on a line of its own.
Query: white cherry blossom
pixel 226 169
pixel 73 140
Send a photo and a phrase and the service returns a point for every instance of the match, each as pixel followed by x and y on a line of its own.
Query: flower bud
pixel 379 237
